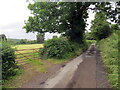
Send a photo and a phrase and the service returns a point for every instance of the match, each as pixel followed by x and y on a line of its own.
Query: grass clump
pixel 109 52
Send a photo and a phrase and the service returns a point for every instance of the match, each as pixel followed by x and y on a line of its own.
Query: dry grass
pixel 28 46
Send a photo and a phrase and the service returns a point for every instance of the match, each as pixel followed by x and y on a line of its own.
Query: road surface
pixel 85 71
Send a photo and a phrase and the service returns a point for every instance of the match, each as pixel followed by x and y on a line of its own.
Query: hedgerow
pixel 109 52
pixel 8 60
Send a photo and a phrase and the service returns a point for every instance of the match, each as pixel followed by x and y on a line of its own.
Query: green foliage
pixel 89 42
pixel 109 52
pixel 58 48
pixel 8 60
pixel 40 37
pixel 23 41
pixel 100 27
pixel 114 27
pixel 32 42
pixel 89 36
pixel 54 17
pixel 55 37
pixel 111 9
pixel 20 41
pixel 102 31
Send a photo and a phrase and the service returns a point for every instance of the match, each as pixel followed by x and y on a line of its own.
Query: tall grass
pixel 109 53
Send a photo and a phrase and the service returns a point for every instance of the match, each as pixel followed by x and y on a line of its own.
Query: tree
pixel 23 41
pixel 40 37
pixel 100 27
pixel 88 36
pixel 114 27
pixel 112 10
pixel 67 18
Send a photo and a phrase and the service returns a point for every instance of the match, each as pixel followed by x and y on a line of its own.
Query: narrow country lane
pixel 85 71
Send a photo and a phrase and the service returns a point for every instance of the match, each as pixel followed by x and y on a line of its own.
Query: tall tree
pixel 112 10
pixel 100 27
pixel 67 18
pixel 62 17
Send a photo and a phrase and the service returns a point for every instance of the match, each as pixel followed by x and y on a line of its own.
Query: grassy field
pixel 28 55
pixel 28 46
pixel 109 53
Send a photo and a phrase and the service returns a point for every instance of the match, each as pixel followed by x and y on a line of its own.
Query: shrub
pixel 102 31
pixel 8 60
pixel 58 48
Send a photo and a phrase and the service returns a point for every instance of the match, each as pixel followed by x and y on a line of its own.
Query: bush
pixel 58 48
pixel 102 31
pixel 8 60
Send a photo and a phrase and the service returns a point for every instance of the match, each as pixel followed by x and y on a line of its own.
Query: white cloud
pixel 12 16
pixel 12 11
pixel 50 35
pixel 91 17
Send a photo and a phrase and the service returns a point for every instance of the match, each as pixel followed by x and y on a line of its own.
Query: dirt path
pixel 85 71
pixel 39 79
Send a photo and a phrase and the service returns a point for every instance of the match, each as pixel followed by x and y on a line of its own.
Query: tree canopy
pixel 100 27
pixel 67 18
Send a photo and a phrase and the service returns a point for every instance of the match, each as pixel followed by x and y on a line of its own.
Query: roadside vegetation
pixel 61 48
pixel 55 51
pixel 109 52
pixel 9 66
pixel 70 23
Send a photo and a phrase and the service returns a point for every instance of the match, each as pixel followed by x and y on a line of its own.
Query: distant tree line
pixel 39 40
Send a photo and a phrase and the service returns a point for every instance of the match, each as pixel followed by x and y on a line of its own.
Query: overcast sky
pixel 12 16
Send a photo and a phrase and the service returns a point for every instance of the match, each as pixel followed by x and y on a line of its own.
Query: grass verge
pixel 109 53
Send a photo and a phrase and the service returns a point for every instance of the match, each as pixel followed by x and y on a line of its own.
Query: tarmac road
pixel 85 71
